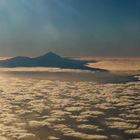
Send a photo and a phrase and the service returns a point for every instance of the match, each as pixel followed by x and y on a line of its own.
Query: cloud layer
pixel 34 109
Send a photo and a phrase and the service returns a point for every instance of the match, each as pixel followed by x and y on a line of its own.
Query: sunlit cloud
pixel 47 103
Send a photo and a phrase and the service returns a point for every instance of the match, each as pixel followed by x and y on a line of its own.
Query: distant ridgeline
pixel 48 60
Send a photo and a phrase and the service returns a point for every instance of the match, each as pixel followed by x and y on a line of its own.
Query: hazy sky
pixel 70 27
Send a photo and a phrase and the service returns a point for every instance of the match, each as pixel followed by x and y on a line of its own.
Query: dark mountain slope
pixel 48 60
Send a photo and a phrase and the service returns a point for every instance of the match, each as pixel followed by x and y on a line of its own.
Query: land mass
pixel 48 60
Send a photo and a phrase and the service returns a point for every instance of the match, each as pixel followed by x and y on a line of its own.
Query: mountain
pixel 48 60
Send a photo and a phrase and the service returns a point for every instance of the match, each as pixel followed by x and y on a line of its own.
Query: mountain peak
pixel 50 55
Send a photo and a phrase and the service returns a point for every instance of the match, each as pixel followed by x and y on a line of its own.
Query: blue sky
pixel 70 27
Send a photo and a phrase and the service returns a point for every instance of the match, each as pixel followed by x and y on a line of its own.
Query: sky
pixel 70 27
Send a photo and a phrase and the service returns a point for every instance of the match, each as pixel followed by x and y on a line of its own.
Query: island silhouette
pixel 50 59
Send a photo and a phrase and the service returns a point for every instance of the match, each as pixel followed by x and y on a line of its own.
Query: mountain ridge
pixel 49 59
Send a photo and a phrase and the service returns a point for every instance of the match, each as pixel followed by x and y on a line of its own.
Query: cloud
pixel 34 109
pixel 43 69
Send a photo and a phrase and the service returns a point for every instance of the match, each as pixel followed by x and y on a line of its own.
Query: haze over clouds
pixel 117 64
pixel 69 27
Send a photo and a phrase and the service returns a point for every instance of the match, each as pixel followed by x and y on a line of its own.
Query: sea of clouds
pixel 33 109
